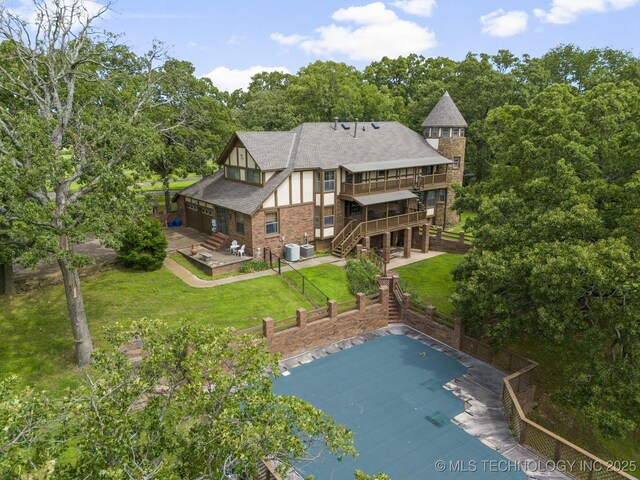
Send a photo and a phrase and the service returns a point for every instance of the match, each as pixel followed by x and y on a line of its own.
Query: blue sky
pixel 230 39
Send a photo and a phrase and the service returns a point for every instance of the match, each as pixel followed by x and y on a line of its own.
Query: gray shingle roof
pixel 322 147
pixel 445 114
pixel 241 197
pixel 270 150
pixel 311 146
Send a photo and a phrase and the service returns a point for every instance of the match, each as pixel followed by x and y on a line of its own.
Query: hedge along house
pixel 331 184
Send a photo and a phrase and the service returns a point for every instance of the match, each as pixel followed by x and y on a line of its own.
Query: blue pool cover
pixel 389 393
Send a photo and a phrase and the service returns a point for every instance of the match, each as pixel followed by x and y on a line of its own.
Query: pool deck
pixel 480 388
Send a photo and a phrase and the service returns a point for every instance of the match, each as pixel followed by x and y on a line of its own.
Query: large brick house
pixel 331 184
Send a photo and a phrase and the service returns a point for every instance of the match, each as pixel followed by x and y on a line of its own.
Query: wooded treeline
pixel 553 155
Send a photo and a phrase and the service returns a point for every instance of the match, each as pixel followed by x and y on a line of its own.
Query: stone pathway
pixel 193 281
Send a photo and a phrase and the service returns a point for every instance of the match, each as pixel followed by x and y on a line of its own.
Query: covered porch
pixel 364 208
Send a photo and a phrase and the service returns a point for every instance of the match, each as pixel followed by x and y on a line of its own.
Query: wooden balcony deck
pixel 393 184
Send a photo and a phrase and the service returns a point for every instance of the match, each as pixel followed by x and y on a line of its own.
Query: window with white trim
pixel 456 162
pixel 271 223
pixel 329 216
pixel 329 181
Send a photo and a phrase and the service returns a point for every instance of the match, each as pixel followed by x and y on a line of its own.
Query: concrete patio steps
pixel 216 242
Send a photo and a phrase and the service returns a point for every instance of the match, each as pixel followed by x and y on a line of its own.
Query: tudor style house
pixel 331 184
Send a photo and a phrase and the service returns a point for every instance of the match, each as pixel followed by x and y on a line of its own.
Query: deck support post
pixel 386 246
pixel 424 246
pixel 407 242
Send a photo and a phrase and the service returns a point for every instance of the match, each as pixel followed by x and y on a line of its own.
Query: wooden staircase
pixel 353 232
pixel 216 242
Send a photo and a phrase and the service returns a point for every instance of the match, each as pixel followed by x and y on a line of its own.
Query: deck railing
pixel 392 184
pixel 380 225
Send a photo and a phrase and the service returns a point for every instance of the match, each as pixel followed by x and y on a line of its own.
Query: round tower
pixel 444 129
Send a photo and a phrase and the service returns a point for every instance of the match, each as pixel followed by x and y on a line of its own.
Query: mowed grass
pixel 36 335
pixel 431 280
pixel 330 279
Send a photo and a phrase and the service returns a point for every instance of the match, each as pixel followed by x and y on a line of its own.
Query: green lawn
pixel 431 280
pixel 463 218
pixel 157 186
pixel 330 279
pixel 191 268
pixel 36 335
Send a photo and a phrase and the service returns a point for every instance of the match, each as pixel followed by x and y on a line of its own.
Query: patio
pixel 214 262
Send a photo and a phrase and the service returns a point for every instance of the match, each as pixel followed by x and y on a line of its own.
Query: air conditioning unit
pixel 292 252
pixel 307 251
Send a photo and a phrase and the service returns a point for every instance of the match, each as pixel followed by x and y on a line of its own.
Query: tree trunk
pixel 77 314
pixel 167 194
pixel 167 200
pixel 8 285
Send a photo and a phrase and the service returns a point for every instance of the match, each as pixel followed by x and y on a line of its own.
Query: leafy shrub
pixel 144 245
pixel 361 276
pixel 253 266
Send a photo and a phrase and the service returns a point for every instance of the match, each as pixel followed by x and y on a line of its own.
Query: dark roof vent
pixel 335 123
pixel 375 125
pixel 346 127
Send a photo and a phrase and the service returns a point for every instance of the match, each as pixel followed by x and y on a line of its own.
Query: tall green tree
pixel 265 105
pixel 69 138
pixel 188 121
pixel 556 237
pixel 198 405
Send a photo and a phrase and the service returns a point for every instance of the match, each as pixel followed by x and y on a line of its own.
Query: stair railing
pixel 337 240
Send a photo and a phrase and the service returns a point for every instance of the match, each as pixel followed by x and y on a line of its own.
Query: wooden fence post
pixel 458 332
pixel 461 237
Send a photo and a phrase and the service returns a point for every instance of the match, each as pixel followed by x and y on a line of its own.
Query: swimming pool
pixel 389 392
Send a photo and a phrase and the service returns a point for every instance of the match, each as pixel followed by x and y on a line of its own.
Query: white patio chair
pixel 233 247
pixel 241 251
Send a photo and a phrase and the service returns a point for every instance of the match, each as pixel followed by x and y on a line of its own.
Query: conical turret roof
pixel 445 114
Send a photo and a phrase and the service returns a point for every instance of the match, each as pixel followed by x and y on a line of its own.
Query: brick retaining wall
pixel 335 327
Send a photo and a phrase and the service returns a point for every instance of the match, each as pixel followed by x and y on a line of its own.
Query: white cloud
pixel 374 13
pixel 287 40
pixel 504 24
pixel 235 40
pixel 228 79
pixel 376 32
pixel 421 8
pixel 567 11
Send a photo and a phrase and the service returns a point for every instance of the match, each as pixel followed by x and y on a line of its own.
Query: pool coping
pixel 480 387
